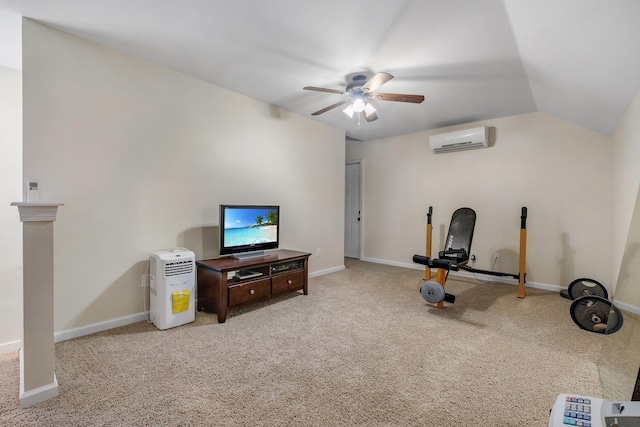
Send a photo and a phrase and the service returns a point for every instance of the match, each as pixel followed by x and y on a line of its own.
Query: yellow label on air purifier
pixel 179 301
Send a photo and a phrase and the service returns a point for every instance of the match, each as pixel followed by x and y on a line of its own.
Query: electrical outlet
pixel 145 280
pixel 318 252
pixel 473 256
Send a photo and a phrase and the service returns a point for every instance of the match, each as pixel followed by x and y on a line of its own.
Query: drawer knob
pixel 289 281
pixel 251 291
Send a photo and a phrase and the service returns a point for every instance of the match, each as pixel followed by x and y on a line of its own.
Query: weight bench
pixel 454 256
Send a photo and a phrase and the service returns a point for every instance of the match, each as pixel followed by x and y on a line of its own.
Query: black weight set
pixel 591 309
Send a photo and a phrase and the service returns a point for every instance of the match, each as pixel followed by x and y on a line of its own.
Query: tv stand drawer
pixel 287 282
pixel 247 292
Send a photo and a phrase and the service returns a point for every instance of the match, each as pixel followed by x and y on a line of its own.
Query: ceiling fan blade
pixel 375 82
pixel 371 117
pixel 331 107
pixel 322 89
pixel 399 97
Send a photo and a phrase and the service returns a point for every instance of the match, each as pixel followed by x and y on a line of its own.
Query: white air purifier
pixel 172 287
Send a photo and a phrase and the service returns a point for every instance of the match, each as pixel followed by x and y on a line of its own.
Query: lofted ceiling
pixel 578 60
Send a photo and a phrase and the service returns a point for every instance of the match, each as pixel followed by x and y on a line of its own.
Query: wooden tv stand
pixel 223 287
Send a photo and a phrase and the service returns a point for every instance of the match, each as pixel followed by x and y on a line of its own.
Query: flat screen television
pixel 248 230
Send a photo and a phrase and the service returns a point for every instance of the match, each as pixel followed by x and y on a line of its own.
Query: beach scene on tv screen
pixel 250 226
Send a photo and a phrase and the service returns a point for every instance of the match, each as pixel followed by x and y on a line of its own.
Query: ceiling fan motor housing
pixel 358 81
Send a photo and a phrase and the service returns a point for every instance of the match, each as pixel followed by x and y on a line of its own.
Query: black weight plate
pixel 432 292
pixel 615 320
pixel 593 313
pixel 587 287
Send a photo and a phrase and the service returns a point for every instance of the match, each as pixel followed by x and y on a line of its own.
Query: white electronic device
pixel 468 139
pixel 576 410
pixel 172 292
pixel 32 192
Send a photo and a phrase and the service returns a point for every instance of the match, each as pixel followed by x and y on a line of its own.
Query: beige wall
pixel 10 226
pixel 626 179
pixel 560 171
pixel 627 290
pixel 142 156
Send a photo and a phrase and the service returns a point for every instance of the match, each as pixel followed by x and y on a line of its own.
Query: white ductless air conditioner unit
pixel 469 139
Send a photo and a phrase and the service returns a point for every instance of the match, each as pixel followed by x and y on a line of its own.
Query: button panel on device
pixel 577 411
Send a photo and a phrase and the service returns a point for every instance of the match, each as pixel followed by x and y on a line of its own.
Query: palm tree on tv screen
pixel 272 217
pixel 259 220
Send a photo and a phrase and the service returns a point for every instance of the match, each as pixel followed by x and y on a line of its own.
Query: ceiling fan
pixel 360 90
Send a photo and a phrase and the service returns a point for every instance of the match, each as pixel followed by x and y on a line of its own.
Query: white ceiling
pixel 578 60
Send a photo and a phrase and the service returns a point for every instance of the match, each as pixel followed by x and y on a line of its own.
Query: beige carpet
pixel 362 349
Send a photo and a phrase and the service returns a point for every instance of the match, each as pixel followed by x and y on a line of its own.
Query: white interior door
pixel 353 208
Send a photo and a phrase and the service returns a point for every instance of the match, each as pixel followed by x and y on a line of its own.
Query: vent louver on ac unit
pixel 469 139
pixel 176 268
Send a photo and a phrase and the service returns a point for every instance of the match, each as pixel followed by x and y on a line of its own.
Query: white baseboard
pixel 485 277
pixel 394 263
pixel 469 275
pixel 99 327
pixel 37 395
pixel 139 317
pixel 327 271
pixel 10 346
pixel 82 331
pixel 626 307
pixel 115 323
pixel 506 280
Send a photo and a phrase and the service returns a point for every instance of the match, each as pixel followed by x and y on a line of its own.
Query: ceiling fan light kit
pixel 369 109
pixel 360 89
pixel 349 111
pixel 358 105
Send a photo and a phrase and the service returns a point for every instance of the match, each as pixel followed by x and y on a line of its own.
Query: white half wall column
pixel 37 356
